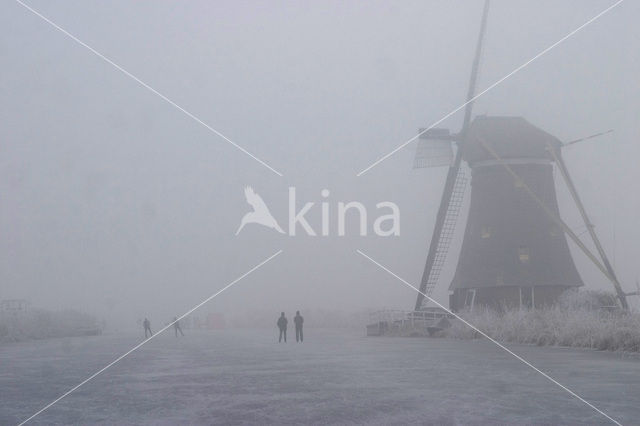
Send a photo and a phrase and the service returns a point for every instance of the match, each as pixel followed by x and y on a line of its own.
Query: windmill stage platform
pixel 427 322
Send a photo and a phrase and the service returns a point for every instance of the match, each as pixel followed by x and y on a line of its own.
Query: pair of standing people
pixel 298 320
pixel 147 327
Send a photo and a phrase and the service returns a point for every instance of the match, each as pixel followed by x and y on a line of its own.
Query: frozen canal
pixel 245 377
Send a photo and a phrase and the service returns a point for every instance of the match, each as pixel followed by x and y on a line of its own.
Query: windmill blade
pixel 434 149
pixel 448 212
pixel 474 69
pixel 587 138
pixel 450 206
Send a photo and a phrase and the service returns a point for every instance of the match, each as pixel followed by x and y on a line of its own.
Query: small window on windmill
pixel 485 232
pixel 523 254
pixel 518 183
pixel 555 231
pixel 433 149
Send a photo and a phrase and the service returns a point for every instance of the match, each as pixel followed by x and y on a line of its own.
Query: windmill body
pixel 514 251
pixel 513 254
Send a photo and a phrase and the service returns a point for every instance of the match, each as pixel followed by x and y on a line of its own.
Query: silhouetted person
pixel 176 326
pixel 147 327
pixel 298 320
pixel 282 325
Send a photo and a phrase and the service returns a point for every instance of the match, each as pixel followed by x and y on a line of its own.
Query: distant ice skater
pixel 282 325
pixel 147 327
pixel 176 326
pixel 298 320
pixel 260 214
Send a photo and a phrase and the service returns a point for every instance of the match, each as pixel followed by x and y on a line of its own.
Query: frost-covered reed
pixel 583 319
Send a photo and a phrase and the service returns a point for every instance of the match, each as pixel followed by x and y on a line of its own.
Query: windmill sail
pixel 448 211
pixel 434 149
pixel 438 255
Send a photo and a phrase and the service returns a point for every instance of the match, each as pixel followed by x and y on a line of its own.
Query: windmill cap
pixel 508 137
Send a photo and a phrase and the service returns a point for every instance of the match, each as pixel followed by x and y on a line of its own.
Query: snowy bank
pixel 42 324
pixel 583 319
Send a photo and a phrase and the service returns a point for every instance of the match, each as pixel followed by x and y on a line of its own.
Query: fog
pixel 114 202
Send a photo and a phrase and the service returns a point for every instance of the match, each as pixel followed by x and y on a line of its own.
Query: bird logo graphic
pixel 260 214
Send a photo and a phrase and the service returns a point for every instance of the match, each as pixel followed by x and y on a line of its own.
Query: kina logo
pixel 385 225
pixel 260 214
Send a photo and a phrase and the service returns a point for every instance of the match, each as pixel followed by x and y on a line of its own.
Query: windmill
pixel 514 250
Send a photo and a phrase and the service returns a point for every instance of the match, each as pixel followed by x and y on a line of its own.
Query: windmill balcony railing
pixel 398 322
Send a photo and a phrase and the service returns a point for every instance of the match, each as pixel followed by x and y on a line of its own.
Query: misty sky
pixel 114 202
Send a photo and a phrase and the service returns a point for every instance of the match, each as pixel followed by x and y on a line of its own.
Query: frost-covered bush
pixel 579 319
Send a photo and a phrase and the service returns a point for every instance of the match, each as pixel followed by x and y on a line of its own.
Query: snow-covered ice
pixel 246 377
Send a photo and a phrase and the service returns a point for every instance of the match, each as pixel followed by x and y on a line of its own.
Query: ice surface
pixel 246 377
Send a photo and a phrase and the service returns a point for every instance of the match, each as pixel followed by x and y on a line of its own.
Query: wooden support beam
pixel 592 232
